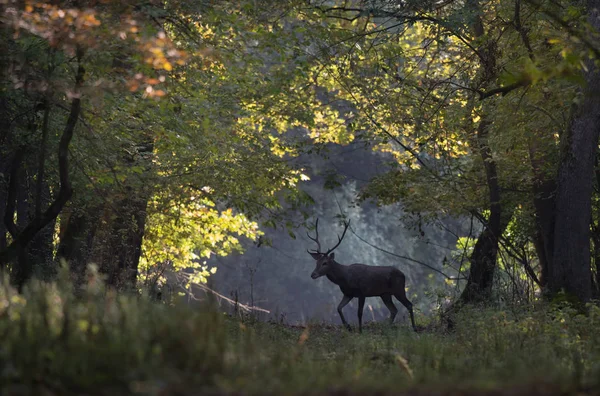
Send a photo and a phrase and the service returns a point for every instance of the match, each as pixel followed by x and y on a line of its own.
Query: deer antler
pixel 316 238
pixel 346 225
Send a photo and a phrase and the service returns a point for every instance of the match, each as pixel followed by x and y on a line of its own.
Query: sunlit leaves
pixel 413 92
pixel 330 127
pixel 220 140
pixel 182 235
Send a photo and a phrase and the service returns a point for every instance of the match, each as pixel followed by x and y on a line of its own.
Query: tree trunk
pixel 23 268
pixel 485 253
pixel 125 242
pixel 595 232
pixel 24 237
pixel 37 256
pixel 78 230
pixel 41 248
pixel 127 229
pixel 540 250
pixel 596 261
pixel 544 192
pixel 4 166
pixel 570 267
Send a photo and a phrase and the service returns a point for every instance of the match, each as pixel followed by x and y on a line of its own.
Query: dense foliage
pixel 147 137
pixel 183 120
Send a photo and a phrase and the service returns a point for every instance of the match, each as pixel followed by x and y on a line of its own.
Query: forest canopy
pixel 146 137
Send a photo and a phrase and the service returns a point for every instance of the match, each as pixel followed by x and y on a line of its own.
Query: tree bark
pixel 78 230
pixel 35 257
pixel 483 259
pixel 596 260
pixel 41 248
pixel 570 268
pixel 23 267
pixel 544 193
pixel 4 169
pixel 485 253
pixel 595 231
pixel 125 242
pixel 127 229
pixel 4 166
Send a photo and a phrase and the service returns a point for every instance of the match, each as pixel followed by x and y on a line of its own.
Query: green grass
pixel 110 344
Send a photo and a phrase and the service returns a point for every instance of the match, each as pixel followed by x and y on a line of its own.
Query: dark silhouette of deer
pixel 360 281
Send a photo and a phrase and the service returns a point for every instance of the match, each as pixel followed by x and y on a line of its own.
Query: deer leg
pixel 345 300
pixel 402 298
pixel 361 305
pixel 387 300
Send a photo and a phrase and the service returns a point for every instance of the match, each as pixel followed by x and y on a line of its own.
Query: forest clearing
pixel 386 197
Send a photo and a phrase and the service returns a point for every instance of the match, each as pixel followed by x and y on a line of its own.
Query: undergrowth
pixel 104 343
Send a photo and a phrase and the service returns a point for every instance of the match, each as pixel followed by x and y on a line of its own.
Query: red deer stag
pixel 361 281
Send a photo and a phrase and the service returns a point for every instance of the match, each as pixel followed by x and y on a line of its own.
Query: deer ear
pixel 316 256
pixel 332 256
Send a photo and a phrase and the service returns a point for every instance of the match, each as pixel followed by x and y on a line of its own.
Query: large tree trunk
pixel 127 233
pixel 121 256
pixel 570 267
pixel 109 234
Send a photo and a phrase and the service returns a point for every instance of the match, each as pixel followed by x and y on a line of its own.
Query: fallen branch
pixel 206 289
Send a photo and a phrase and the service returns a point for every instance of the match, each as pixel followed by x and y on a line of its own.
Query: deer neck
pixel 337 273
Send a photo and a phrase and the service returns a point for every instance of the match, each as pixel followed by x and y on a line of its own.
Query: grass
pixel 108 344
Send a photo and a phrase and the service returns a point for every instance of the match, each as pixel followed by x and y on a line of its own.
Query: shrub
pixel 101 342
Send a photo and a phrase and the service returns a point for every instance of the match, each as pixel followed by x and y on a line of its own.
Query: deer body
pixel 361 281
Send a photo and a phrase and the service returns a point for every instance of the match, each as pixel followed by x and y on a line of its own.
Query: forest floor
pixel 107 344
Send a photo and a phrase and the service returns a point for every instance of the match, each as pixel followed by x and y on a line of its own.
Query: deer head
pixel 324 260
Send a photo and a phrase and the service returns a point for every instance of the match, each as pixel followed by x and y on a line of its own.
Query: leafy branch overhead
pixel 160 134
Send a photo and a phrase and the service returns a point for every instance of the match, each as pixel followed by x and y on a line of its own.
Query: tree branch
pixel 503 90
pixel 405 257
pixel 522 32
pixel 556 18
